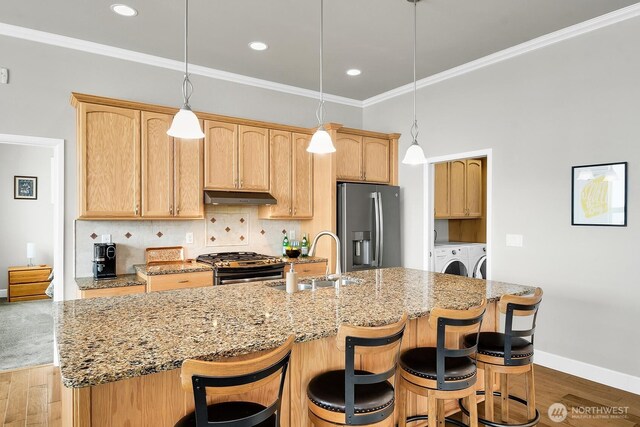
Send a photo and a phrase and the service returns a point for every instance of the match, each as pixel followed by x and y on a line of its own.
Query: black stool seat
pixel 327 391
pixel 492 344
pixel 228 411
pixel 422 362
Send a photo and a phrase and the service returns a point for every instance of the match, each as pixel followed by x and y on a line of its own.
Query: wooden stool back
pixel 518 306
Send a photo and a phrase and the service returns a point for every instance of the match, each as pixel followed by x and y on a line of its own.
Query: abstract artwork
pixel 599 194
pixel 25 187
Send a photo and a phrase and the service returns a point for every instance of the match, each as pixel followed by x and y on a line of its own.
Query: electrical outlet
pixel 4 76
pixel 189 238
pixel 514 240
pixel 106 238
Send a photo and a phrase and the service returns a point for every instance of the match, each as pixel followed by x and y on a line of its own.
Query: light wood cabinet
pixel 458 189
pixel 108 161
pixel 166 282
pixel 291 176
pixel 363 158
pixel 112 292
pixel 171 171
pixel 236 157
pixel 28 283
pixel 309 268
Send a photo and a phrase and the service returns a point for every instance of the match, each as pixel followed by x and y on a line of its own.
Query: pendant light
pixel 414 154
pixel 321 140
pixel 185 123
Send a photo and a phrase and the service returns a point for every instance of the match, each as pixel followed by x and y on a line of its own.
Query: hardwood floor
pixel 31 397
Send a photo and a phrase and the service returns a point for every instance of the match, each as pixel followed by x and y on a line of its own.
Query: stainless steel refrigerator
pixel 369 226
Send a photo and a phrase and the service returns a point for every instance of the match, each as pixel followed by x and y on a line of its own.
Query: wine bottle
pixel 304 247
pixel 285 245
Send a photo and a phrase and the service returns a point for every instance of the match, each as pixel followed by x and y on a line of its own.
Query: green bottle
pixel 304 246
pixel 285 245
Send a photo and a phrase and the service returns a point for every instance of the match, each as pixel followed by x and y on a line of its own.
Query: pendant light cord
pixel 414 127
pixel 187 87
pixel 320 112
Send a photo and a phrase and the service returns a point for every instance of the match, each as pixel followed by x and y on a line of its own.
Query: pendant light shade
pixel 414 154
pixel 185 124
pixel 321 142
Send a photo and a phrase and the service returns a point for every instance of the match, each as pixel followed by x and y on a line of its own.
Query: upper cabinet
pixel 130 168
pixel 108 161
pixel 236 157
pixel 458 189
pixel 291 176
pixel 363 158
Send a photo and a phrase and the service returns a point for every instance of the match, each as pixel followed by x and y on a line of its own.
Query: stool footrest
pixel 446 420
pixel 529 423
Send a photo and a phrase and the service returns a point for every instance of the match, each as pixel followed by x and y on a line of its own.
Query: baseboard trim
pixel 3 293
pixel 590 372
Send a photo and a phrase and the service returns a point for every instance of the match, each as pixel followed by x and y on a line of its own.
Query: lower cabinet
pixel 113 292
pixel 309 268
pixel 166 282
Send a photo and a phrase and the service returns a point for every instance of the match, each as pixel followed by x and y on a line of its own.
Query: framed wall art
pixel 25 187
pixel 599 194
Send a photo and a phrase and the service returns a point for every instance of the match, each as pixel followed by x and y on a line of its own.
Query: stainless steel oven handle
pixel 251 279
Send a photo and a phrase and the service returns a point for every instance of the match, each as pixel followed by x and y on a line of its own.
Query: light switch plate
pixel 514 240
pixel 189 238
pixel 4 75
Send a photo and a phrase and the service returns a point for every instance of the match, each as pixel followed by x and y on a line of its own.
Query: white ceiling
pixel 373 35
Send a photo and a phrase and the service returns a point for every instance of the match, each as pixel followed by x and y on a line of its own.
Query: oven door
pixel 227 276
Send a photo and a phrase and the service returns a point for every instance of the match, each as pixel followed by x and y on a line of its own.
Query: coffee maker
pixel 104 260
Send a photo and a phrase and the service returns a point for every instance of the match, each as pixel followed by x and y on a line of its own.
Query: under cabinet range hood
pixel 238 198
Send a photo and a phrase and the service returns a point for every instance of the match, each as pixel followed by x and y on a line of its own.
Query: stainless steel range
pixel 239 267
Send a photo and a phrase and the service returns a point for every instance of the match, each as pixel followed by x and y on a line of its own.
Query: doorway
pixel 463 224
pixel 33 210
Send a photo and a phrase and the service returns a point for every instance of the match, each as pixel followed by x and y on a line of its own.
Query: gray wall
pixel 42 77
pixel 23 221
pixel 572 103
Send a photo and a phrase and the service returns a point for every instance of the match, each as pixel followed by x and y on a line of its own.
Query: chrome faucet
pixel 312 251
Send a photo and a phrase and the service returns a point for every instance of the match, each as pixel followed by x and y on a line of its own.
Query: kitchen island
pixel 120 357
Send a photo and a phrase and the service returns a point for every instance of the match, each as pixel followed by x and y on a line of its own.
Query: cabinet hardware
pixel 295 211
pixel 137 209
pixel 171 210
pixel 183 281
pixel 289 211
pixel 178 210
pixel 365 176
pixel 241 183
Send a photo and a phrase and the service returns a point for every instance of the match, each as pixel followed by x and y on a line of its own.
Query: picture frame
pixel 25 187
pixel 599 195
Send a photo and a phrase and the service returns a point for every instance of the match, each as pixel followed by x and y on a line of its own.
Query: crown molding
pixel 157 61
pixel 531 45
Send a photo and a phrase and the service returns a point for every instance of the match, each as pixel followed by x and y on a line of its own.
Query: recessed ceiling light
pixel 354 72
pixel 124 10
pixel 258 46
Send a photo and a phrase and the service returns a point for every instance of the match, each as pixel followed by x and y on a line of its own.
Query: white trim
pixel 531 45
pixel 58 208
pixel 157 61
pixel 590 372
pixel 3 293
pixel 428 203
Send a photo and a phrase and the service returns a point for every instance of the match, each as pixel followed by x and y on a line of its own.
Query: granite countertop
pixel 89 283
pixel 303 260
pixel 172 268
pixel 102 340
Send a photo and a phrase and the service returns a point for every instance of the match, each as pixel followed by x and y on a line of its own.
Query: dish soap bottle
pixel 304 246
pixel 285 245
pixel 292 280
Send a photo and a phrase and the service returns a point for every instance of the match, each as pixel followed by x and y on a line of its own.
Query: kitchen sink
pixel 310 285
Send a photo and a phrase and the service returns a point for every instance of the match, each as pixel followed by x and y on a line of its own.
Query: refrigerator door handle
pixel 381 231
pixel 376 211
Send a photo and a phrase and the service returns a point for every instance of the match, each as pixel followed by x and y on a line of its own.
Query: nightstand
pixel 28 283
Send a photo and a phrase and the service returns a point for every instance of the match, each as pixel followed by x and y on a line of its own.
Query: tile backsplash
pixel 224 229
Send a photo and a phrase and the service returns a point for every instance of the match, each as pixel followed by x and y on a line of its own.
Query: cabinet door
pixel 220 155
pixel 376 160
pixel 302 177
pixel 457 178
pixel 281 180
pixel 441 193
pixel 474 188
pixel 189 197
pixel 109 162
pixel 349 157
pixel 157 166
pixel 253 158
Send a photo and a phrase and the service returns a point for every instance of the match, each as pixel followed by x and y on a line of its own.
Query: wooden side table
pixel 28 283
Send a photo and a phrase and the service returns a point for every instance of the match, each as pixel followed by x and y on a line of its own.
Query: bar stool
pixel 353 396
pixel 233 378
pixel 508 353
pixel 442 372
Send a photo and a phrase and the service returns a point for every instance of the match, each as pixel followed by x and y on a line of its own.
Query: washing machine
pixel 452 259
pixel 477 260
